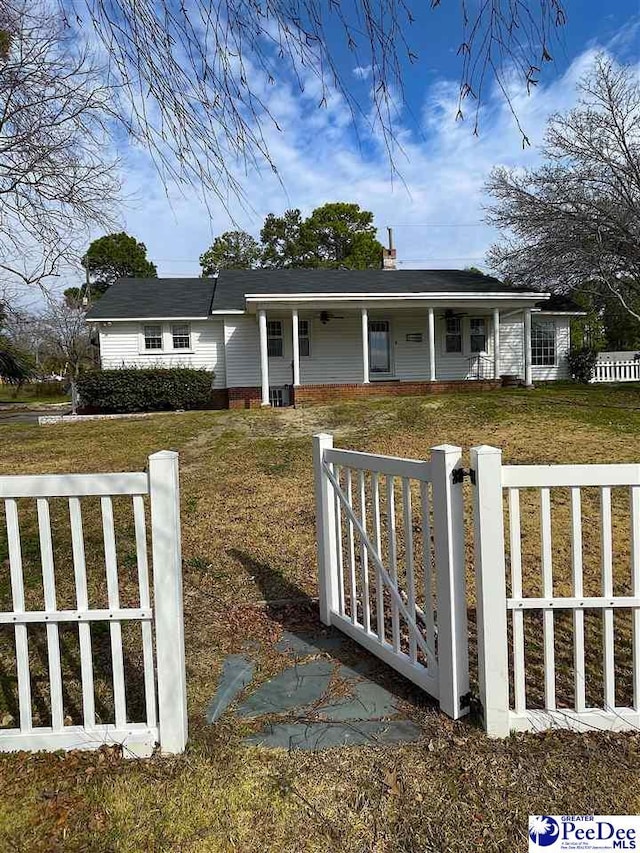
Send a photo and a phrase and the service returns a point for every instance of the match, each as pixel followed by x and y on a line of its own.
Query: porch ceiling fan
pixel 451 315
pixel 325 316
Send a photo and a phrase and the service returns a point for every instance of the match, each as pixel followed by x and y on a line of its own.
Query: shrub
pixel 582 361
pixel 145 389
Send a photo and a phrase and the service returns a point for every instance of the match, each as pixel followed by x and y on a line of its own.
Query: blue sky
pixel 436 208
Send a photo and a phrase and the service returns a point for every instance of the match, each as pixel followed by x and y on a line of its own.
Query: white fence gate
pixel 558 634
pixel 392 565
pixel 617 371
pixel 164 718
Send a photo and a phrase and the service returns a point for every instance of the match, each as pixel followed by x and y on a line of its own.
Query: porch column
pixel 496 343
pixel 296 348
pixel 528 375
pixel 264 356
pixel 365 347
pixel 431 331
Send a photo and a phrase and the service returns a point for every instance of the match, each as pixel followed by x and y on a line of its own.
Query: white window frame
pixel 279 337
pixel 144 337
pixel 536 323
pixel 447 334
pixel 471 334
pixel 307 337
pixel 173 335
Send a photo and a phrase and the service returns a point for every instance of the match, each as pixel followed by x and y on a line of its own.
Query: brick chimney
pixel 389 255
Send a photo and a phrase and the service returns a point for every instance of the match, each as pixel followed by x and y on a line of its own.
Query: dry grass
pixel 248 535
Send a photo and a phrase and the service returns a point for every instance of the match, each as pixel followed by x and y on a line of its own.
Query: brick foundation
pixel 309 394
pixel 245 398
pixel 219 398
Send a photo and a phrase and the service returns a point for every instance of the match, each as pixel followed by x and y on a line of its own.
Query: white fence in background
pixel 616 371
pixel 391 562
pixel 504 689
pixel 165 720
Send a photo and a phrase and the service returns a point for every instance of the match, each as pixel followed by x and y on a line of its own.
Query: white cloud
pixel 362 72
pixel 435 207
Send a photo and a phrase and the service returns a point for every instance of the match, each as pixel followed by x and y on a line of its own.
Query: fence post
pixel 491 594
pixel 166 551
pixel 325 531
pixel 448 535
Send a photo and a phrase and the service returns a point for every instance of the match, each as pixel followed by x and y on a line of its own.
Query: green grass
pixel 248 535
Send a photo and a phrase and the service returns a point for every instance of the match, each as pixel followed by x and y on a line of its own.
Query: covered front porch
pixel 375 347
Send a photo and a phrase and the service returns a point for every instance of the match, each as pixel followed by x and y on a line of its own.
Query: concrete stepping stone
pixel 296 687
pixel 305 645
pixel 315 736
pixel 370 702
pixel 237 672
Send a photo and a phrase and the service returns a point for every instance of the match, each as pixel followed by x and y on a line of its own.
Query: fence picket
pixel 145 601
pixel 515 549
pixel 82 600
pixel 393 566
pixel 375 498
pixel 547 592
pixel 49 586
pixel 607 592
pixel 337 510
pixel 113 596
pixel 578 591
pixel 407 514
pixel 364 557
pixel 352 553
pixel 20 631
pixel 426 566
pixel 635 591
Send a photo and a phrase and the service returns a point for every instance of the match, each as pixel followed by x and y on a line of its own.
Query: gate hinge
pixel 466 699
pixel 462 474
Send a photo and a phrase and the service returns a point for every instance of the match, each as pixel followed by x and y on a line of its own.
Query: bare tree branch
pixel 574 222
pixel 56 113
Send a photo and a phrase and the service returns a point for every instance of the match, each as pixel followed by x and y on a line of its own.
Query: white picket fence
pixel 391 581
pixel 616 371
pixel 549 654
pixel 504 688
pixel 165 716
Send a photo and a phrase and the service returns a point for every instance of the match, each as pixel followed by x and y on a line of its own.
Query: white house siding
pixel 512 348
pixel 230 347
pixel 335 347
pixel 512 345
pixel 336 351
pixel 121 346
pixel 563 343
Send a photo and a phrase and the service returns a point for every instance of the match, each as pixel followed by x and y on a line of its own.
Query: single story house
pixel 275 337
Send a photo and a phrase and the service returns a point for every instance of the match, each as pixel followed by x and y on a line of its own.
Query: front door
pixel 379 347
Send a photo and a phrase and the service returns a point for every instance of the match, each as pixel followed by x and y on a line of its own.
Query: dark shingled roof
pixel 233 285
pixel 559 303
pixel 154 299
pixel 159 298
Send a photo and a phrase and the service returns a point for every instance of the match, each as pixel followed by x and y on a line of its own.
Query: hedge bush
pixel 145 389
pixel 582 361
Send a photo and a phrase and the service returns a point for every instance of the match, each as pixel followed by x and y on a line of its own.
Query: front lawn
pixel 248 537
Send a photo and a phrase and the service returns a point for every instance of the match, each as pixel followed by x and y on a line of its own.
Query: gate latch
pixel 462 474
